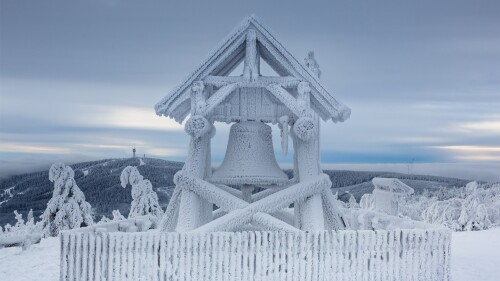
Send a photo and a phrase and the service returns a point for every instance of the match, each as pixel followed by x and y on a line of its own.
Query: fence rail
pixel 328 255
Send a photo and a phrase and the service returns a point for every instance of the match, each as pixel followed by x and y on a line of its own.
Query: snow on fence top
pixel 392 185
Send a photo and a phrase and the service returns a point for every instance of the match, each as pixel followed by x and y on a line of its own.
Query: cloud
pixel 481 127
pixel 33 148
pixel 126 117
pixel 473 152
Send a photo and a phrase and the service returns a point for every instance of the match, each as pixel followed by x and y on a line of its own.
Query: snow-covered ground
pixel 475 256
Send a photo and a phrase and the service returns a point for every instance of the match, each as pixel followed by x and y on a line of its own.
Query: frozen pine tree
pixel 30 219
pixel 352 202
pixel 144 199
pixel 117 216
pixel 19 219
pixel 67 209
pixel 104 219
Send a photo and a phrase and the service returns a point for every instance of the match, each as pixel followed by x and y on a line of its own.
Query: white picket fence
pixel 328 255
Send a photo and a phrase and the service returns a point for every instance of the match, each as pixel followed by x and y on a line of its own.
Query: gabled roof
pixel 392 185
pixel 227 56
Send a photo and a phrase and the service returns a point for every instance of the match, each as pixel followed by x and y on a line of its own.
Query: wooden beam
pixel 286 98
pixel 262 81
pixel 250 68
pixel 218 97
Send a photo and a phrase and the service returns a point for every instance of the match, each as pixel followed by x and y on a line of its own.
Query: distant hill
pixel 100 182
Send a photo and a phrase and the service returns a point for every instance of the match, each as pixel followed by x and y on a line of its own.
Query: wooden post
pixel 251 65
pixel 246 192
pixel 194 210
pixel 310 212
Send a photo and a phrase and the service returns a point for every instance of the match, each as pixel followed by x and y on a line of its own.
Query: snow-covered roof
pixel 391 185
pixel 227 56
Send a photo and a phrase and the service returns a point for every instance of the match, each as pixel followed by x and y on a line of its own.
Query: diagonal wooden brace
pixel 227 202
pixel 244 215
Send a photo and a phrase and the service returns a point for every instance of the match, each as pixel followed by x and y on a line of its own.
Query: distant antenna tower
pixel 410 166
pixel 133 151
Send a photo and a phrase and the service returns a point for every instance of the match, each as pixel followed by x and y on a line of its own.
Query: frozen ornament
pixel 197 126
pixel 283 124
pixel 304 128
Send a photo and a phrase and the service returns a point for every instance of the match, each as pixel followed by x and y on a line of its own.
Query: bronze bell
pixel 249 158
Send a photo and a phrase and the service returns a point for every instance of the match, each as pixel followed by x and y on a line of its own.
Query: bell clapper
pixel 246 192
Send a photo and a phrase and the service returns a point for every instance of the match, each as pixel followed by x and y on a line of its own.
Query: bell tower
pixel 295 101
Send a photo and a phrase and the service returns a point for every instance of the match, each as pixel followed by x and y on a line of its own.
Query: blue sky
pixel 78 80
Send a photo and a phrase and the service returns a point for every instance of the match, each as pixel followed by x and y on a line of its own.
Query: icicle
pixel 283 124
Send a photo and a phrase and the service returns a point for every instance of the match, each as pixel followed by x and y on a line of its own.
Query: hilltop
pixel 100 182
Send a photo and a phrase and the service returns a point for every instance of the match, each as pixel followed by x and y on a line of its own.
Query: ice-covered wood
pixel 403 255
pixel 272 203
pixel 285 97
pixel 251 71
pixel 193 210
pixel 261 82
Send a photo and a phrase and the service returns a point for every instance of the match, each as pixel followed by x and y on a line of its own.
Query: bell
pixel 249 158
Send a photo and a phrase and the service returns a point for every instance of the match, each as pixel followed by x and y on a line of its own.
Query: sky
pixel 79 79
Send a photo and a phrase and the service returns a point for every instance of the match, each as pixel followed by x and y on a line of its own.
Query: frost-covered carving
pixel 313 65
pixel 304 128
pixel 67 209
pixel 197 126
pixel 144 199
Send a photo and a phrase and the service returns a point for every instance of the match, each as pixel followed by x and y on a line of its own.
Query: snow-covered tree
pixel 29 218
pixel 471 210
pixel 117 216
pixel 144 199
pixel 104 219
pixel 352 202
pixel 67 209
pixel 19 219
pixel 367 201
pixel 7 227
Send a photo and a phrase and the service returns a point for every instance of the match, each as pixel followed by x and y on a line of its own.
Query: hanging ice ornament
pixel 283 124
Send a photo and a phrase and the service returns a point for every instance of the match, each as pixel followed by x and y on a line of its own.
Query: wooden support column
pixel 305 135
pixel 246 192
pixel 195 211
pixel 251 67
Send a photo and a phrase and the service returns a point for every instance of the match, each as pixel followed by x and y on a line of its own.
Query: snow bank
pixel 40 262
pixel 476 255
